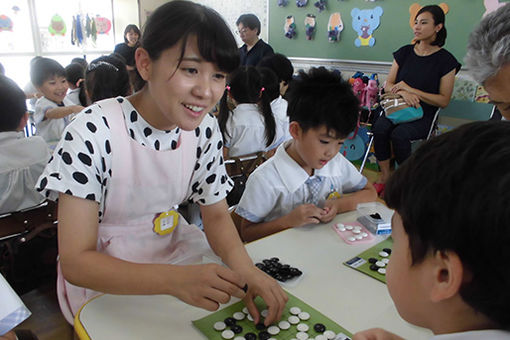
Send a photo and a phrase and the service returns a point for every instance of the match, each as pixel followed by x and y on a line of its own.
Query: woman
pixel 423 74
pixel 128 47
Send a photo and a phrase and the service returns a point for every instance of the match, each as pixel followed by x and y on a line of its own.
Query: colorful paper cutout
pixel 57 25
pixel 103 25
pixel 5 23
pixel 309 26
pixel 492 5
pixel 335 26
pixel 283 3
pixel 364 22
pixel 320 4
pixel 301 3
pixel 290 27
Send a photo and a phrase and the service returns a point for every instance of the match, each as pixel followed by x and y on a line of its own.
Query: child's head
pixel 49 77
pixel 131 34
pixel 13 106
pixel 186 52
pixel 80 61
pixel 450 228
pixel 75 76
pixel 321 98
pixel 270 82
pixel 246 86
pixel 107 77
pixel 283 68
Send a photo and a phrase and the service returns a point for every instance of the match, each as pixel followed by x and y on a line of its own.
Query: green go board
pixel 361 263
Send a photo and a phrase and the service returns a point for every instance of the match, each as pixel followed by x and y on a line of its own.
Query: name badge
pixel 166 222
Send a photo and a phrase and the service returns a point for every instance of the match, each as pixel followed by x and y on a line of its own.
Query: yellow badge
pixel 333 195
pixel 166 222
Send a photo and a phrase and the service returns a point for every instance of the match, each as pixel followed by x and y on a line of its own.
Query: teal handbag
pixel 397 110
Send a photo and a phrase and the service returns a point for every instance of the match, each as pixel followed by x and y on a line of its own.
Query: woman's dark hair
pixel 439 17
pixel 75 72
pixel 246 87
pixel 135 29
pixel 107 77
pixel 177 21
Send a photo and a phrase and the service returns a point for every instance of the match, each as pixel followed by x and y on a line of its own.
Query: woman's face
pixel 425 28
pixel 183 93
pixel 132 37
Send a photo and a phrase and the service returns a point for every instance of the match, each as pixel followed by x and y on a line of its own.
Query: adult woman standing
pixel 423 74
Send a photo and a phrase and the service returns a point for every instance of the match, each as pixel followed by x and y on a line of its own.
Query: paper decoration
pixel 335 26
pixel 283 3
pixel 301 3
pixel 415 8
pixel 57 25
pixel 5 23
pixel 320 4
pixel 290 27
pixel 492 5
pixel 364 22
pixel 309 26
pixel 103 25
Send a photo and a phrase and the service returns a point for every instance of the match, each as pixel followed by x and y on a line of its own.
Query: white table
pixel 352 299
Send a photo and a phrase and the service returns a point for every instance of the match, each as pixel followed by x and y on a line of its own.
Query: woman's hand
pixel 261 284
pixel 410 98
pixel 401 86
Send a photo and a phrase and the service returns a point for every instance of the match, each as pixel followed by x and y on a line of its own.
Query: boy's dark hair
pixel 80 61
pixel 246 86
pixel 43 69
pixel 439 18
pixel 280 65
pixel 249 20
pixel 322 98
pixel 134 28
pixel 176 21
pixel 75 72
pixel 269 82
pixel 107 77
pixel 12 104
pixel 453 195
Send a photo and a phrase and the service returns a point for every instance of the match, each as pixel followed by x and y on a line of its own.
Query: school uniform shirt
pixel 279 108
pixel 257 52
pixel 492 334
pixel 246 131
pixel 22 161
pixel 49 129
pixel 74 96
pixel 82 161
pixel 280 185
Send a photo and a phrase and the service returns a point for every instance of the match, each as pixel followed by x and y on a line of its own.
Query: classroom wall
pixel 125 12
pixel 393 32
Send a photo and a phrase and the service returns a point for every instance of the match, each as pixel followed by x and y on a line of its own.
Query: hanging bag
pixel 398 111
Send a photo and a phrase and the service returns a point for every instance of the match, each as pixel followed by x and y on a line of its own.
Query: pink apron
pixel 144 183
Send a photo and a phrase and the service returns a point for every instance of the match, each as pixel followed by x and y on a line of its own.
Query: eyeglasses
pixel 244 30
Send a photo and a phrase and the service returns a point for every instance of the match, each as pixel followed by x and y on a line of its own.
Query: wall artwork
pixel 335 27
pixel 309 26
pixel 289 27
pixel 364 22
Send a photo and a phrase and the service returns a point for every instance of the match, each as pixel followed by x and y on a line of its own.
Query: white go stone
pixel 302 336
pixel 302 327
pixel 273 330
pixel 239 338
pixel 320 337
pixel 264 313
pixel 239 316
pixel 340 227
pixel 219 326
pixel 304 316
pixel 227 334
pixel 349 227
pixel 294 320
pixel 352 238
pixel 329 334
pixel 386 260
pixel 249 317
pixel 364 234
pixel 284 325
pixel 383 254
pixel 380 264
pixel 358 237
pixel 356 231
pixel 382 271
pixel 245 310
pixel 295 310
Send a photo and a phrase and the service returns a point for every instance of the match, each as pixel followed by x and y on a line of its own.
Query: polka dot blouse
pixel 81 163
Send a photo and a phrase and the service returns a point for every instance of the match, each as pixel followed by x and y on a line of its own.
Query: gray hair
pixel 489 45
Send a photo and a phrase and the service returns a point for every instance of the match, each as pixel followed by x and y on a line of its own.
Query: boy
pixel 448 268
pixel 305 180
pixel 52 110
pixel 22 160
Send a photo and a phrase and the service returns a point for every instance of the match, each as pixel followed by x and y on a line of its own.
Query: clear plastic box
pixel 375 225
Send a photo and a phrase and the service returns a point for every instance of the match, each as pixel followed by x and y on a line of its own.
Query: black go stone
pixel 236 329
pixel 264 335
pixel 260 326
pixel 372 260
pixel 230 322
pixel 250 336
pixel 388 250
pixel 319 328
pixel 374 267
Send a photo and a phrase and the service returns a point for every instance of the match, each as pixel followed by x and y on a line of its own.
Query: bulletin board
pixel 393 31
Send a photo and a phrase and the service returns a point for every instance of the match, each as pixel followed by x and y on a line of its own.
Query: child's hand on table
pixel 305 214
pixel 376 334
pixel 329 211
pixel 261 284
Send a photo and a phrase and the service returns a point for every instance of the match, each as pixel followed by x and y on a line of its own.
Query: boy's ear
pixel 143 63
pixel 449 275
pixel 295 129
pixel 23 122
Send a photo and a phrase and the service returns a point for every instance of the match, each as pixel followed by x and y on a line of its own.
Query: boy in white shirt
pixel 448 267
pixel 53 109
pixel 307 181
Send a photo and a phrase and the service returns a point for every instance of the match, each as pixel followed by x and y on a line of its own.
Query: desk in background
pixel 350 298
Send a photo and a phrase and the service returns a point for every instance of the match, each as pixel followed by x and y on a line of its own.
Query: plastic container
pixel 376 217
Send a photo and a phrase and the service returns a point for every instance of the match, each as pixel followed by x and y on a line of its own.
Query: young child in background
pixel 107 77
pixel 307 181
pixel 52 109
pixel 283 68
pixel 448 267
pixel 117 183
pixel 22 160
pixel 75 76
pixel 251 127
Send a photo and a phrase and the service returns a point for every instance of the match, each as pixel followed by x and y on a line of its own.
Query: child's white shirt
pixel 246 131
pixel 279 108
pixel 280 185
pixel 49 129
pixel 74 96
pixel 492 334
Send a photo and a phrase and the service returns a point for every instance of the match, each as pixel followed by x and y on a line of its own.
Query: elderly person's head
pixel 488 57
